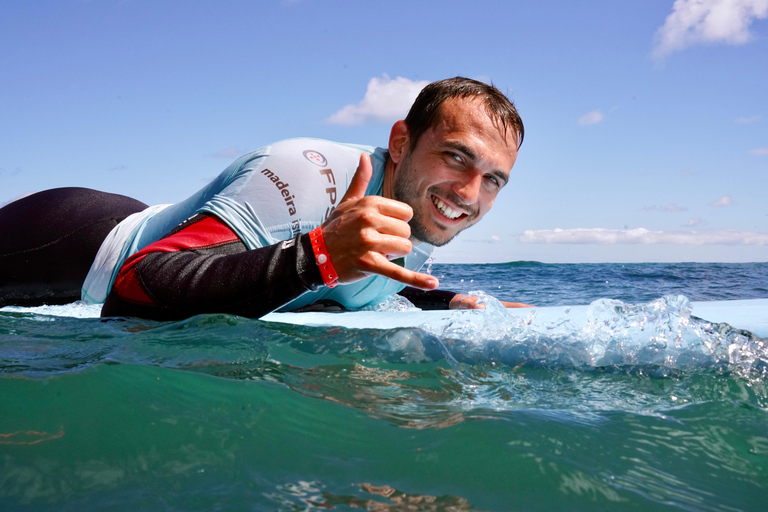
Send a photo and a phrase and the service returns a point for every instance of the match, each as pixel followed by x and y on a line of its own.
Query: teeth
pixel 445 209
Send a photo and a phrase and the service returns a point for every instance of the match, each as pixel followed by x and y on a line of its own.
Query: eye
pixel 455 157
pixel 494 180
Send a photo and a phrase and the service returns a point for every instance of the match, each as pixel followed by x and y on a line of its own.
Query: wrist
pixel 322 258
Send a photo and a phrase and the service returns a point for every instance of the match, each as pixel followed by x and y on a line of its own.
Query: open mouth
pixel 445 209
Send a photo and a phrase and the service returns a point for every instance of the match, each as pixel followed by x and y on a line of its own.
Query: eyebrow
pixel 472 156
pixel 460 146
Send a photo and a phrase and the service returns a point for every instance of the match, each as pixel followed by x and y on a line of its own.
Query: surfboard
pixel 750 315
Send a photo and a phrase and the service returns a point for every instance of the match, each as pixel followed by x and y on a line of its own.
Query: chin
pixel 435 236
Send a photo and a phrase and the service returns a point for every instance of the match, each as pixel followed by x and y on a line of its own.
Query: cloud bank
pixel 385 100
pixel 599 236
pixel 695 22
pixel 593 117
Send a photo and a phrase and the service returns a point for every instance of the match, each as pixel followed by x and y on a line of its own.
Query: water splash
pixel 660 333
pixel 393 303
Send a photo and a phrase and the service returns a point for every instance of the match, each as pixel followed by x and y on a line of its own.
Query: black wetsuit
pixel 48 241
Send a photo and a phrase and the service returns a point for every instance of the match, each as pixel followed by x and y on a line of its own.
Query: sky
pixel 646 120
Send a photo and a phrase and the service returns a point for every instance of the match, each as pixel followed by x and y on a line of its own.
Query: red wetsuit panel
pixel 206 233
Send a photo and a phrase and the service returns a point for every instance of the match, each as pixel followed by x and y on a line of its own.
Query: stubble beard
pixel 406 191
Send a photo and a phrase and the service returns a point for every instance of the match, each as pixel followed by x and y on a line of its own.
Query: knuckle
pixel 367 238
pixel 367 217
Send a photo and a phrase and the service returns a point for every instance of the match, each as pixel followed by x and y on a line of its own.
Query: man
pixel 280 228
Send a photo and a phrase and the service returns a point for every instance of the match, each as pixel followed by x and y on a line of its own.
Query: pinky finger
pixel 407 277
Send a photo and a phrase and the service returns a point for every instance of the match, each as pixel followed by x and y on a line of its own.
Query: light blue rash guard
pixel 266 196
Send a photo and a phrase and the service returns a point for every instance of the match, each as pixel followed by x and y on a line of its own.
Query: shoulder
pixel 319 152
pixel 334 162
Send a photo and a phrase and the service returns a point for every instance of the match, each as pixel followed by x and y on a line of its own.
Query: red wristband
pixel 328 273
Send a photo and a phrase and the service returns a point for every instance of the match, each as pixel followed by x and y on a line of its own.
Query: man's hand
pixel 364 233
pixel 464 301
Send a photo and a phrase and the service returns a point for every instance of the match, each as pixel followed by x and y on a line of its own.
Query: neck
pixel 389 178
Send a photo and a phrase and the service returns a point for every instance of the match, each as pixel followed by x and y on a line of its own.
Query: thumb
pixel 359 183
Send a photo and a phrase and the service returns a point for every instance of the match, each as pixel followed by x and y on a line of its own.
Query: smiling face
pixel 453 174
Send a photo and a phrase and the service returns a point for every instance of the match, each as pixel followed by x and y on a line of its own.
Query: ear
pixel 399 141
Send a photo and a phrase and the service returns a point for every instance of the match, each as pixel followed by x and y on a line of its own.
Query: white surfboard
pixel 750 315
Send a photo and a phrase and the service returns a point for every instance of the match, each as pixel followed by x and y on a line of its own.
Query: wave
pixel 661 332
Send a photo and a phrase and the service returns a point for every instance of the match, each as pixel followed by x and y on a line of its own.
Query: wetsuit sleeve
pixel 428 299
pixel 203 267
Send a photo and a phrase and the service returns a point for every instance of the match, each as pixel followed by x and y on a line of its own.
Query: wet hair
pixel 425 112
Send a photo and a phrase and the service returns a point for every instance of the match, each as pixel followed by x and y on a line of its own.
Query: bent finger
pixel 374 242
pixel 390 227
pixel 393 208
pixel 386 207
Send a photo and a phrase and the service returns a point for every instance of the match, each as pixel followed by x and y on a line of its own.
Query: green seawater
pixel 224 413
pixel 137 437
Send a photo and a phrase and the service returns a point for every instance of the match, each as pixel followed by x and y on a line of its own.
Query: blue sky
pixel 646 121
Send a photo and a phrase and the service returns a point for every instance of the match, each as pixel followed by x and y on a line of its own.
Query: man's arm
pixel 203 267
pixel 444 299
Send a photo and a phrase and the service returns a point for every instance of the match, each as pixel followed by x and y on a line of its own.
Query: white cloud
pixel 759 151
pixel 723 201
pixel 600 236
pixel 670 208
pixel 747 120
pixel 228 153
pixel 694 222
pixel 495 239
pixel 593 117
pixel 385 100
pixel 707 21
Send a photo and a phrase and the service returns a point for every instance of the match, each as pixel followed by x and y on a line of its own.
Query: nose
pixel 469 189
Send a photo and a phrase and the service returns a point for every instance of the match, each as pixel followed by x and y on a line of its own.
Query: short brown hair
pixel 425 111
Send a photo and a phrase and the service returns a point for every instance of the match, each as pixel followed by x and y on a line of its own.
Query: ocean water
pixel 650 410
